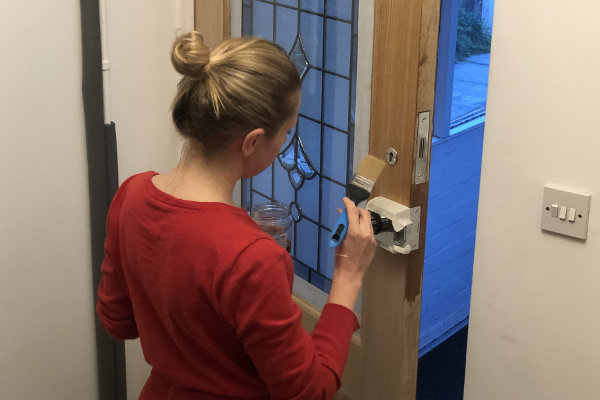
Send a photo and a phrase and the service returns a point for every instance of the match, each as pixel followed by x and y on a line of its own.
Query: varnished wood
pixel 212 18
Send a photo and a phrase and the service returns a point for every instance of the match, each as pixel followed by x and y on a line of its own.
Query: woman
pixel 207 292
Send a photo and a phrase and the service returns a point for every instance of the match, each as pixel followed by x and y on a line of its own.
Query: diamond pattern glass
pixel 298 57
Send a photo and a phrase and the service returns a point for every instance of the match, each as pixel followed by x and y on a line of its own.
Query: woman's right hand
pixel 353 256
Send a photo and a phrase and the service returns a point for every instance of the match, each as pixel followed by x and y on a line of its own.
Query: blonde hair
pixel 243 84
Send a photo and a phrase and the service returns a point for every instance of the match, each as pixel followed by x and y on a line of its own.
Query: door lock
pixel 396 226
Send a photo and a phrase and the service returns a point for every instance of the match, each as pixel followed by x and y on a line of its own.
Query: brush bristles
pixel 364 179
pixel 370 168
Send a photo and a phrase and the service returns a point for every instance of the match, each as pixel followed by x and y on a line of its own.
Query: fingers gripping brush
pixel 358 190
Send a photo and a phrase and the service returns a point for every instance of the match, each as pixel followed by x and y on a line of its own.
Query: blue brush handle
pixel 340 228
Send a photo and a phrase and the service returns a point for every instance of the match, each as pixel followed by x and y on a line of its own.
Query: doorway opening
pixel 461 97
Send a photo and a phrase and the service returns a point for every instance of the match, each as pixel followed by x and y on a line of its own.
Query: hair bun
pixel 190 55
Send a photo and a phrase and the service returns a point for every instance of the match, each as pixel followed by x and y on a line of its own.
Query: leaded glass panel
pixel 312 169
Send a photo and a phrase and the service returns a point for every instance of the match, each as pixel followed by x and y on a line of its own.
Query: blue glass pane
pixel 336 101
pixel 301 270
pixel 307 242
pixel 327 255
pixel 337 49
pixel 310 134
pixel 286 27
pixel 335 154
pixel 320 282
pixel 262 182
pixel 311 94
pixel 340 9
pixel 258 199
pixel 308 198
pixel 296 179
pixel 331 199
pixel 262 25
pixel 284 192
pixel 304 165
pixel 312 5
pixel 311 29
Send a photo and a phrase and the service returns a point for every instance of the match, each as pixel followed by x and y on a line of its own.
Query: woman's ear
pixel 251 141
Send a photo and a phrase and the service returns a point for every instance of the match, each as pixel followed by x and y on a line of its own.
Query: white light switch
pixel 571 215
pixel 571 208
pixel 562 213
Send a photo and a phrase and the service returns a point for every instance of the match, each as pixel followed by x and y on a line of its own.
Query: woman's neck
pixel 196 178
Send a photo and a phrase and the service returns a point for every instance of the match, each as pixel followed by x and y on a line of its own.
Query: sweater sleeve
pixel 294 365
pixel 114 307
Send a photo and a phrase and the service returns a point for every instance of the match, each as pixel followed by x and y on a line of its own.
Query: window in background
pixel 463 65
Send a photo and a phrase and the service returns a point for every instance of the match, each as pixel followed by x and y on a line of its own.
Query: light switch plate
pixel 563 198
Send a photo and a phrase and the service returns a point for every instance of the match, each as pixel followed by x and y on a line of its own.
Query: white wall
pixel 47 342
pixel 142 86
pixel 535 320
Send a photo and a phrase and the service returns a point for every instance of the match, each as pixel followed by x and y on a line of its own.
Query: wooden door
pixel 384 354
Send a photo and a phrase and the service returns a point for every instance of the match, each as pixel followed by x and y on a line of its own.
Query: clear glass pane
pixel 337 49
pixel 312 87
pixel 336 106
pixel 335 145
pixel 327 257
pixel 310 133
pixel 283 190
pixel 309 198
pixel 312 5
pixel 291 3
pixel 340 9
pixel 311 30
pixel 286 27
pixel 332 193
pixel 307 242
pixel 262 20
pixel 262 182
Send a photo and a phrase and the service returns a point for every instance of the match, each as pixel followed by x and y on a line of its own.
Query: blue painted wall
pixel 450 238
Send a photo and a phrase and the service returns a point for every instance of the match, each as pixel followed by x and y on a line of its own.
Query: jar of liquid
pixel 274 218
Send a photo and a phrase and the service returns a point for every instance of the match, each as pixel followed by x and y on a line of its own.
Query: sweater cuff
pixel 344 317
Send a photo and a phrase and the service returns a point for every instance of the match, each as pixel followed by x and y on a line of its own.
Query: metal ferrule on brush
pixel 359 189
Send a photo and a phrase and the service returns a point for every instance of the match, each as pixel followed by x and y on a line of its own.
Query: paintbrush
pixel 358 190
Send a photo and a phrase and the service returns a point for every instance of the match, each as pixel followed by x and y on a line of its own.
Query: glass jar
pixel 274 218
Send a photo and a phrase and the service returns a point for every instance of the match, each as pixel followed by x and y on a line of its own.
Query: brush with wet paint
pixel 359 189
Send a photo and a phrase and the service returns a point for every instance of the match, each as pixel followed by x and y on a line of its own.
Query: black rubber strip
pixel 103 181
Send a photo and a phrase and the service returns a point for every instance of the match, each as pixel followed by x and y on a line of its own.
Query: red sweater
pixel 208 294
